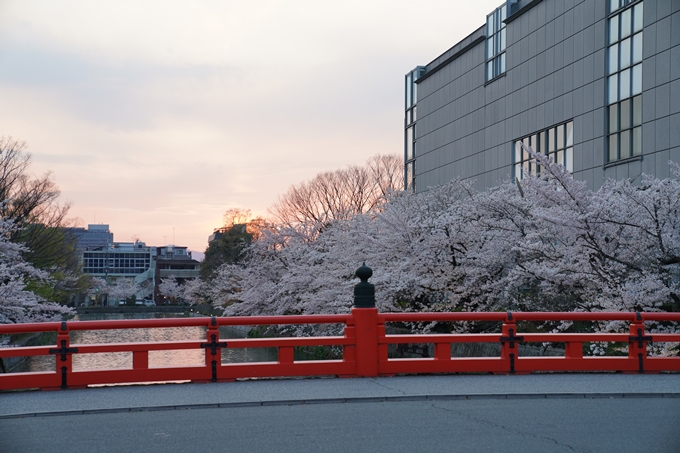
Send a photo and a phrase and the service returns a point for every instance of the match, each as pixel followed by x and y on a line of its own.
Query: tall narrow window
pixel 618 4
pixel 624 80
pixel 495 43
pixel 411 96
pixel 556 142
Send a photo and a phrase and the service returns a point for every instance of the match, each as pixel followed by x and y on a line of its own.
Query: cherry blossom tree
pixel 17 302
pixel 614 249
pixel 545 243
pixel 121 288
pixel 169 287
pixel 115 290
pixel 194 291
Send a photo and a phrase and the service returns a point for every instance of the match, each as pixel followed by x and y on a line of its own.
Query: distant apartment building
pixel 135 260
pixel 592 84
pixel 174 262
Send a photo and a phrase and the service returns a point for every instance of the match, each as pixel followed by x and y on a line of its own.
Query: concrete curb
pixel 377 399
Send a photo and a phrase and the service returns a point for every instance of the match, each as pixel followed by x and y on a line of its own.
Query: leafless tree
pixel 236 216
pixel 339 194
pixel 387 170
pixel 32 204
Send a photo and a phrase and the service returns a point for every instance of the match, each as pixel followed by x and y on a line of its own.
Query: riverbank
pixel 8 364
pixel 202 309
pixel 133 309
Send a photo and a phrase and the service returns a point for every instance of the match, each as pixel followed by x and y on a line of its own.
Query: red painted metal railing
pixel 364 348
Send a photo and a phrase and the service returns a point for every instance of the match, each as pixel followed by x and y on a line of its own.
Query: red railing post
pixel 442 351
pixel 510 342
pixel 366 331
pixel 63 351
pixel 637 343
pixel 574 350
pixel 140 360
pixel 366 327
pixel 213 349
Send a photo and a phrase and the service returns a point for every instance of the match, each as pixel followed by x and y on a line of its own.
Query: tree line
pixel 545 243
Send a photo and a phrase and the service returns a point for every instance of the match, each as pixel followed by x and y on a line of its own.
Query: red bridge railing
pixel 364 345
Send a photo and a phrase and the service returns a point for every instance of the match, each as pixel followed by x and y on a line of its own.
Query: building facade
pixel 593 84
pixel 176 262
pixel 121 259
pixel 104 258
pixel 95 236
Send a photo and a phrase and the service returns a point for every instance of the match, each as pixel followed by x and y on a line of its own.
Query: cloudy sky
pixel 157 116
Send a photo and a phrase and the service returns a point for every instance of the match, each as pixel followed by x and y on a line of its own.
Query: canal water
pixel 123 360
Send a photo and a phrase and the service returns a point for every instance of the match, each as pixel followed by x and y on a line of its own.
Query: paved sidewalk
pixel 334 390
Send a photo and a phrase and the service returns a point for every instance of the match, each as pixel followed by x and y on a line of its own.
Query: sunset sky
pixel 157 116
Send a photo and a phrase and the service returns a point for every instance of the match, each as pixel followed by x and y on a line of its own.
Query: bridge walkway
pixel 132 398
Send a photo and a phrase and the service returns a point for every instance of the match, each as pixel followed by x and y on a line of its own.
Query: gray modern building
pixel 91 238
pixel 594 84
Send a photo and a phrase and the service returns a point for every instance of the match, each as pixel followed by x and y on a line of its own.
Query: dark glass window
pixel 556 142
pixel 618 4
pixel 411 96
pixel 495 43
pixel 624 81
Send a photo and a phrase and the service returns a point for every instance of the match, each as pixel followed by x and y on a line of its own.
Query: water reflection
pixel 123 360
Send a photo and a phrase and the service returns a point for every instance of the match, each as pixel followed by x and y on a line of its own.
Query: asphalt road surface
pixel 561 424
pixel 449 413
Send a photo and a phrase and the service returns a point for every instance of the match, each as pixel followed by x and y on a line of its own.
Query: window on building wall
pixel 618 4
pixel 411 97
pixel 556 142
pixel 495 43
pixel 624 80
